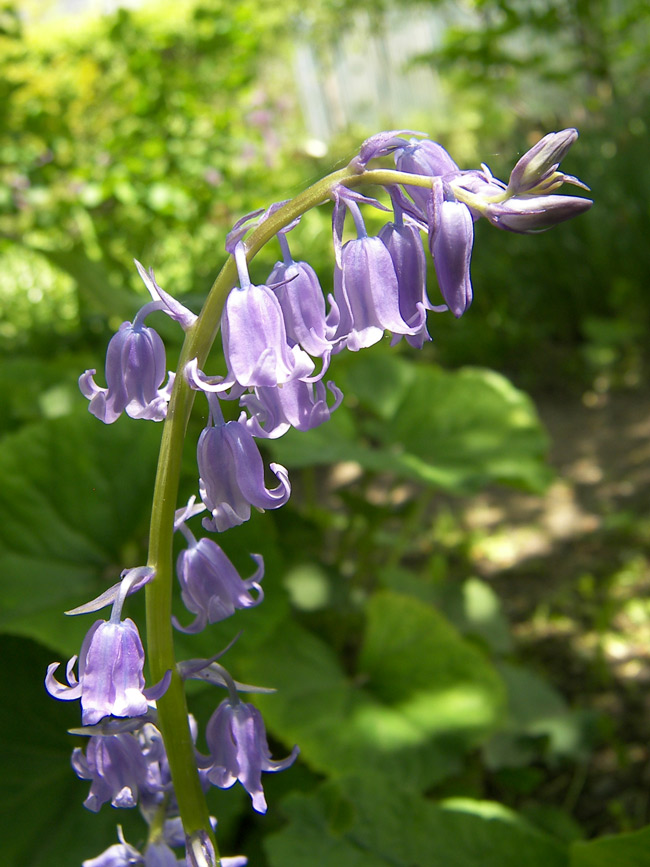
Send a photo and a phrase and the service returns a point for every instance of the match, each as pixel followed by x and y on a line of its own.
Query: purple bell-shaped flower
pixel 298 404
pixel 451 236
pixel 301 298
pixel 366 287
pixel 236 738
pixel 116 767
pixel 111 663
pixel 231 473
pixel 423 157
pixel 135 370
pixel 211 587
pixel 255 341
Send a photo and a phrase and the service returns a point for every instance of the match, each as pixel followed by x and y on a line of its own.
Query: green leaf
pixel 421 697
pixel 41 799
pixel 416 661
pixel 623 850
pixel 454 430
pixel 74 495
pixel 365 822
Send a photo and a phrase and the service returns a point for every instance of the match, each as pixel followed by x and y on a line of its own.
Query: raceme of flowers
pixel 279 339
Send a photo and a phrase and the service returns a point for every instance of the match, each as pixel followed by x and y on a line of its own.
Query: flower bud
pixel 534 214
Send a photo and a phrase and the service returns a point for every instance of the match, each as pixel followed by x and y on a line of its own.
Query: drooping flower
pixel 380 145
pixel 299 292
pixel 231 473
pixel 298 404
pixel 135 370
pixel 451 236
pixel 236 738
pixel 366 287
pixel 120 854
pixel 254 334
pixel 116 767
pixel 211 587
pixel 111 663
pixel 423 157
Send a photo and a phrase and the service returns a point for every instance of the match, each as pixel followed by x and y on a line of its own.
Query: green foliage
pixel 448 430
pixel 148 134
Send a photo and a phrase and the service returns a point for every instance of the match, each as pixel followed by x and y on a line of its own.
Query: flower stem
pixel 172 707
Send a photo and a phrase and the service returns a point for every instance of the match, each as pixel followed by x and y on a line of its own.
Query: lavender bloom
pixel 423 158
pixel 254 336
pixel 534 214
pixel 451 236
pixel 158 854
pixel 111 662
pixel 366 289
pixel 298 290
pixel 121 854
pixel 298 404
pixel 380 145
pixel 211 587
pixel 536 173
pixel 116 767
pixel 231 473
pixel 403 242
pixel 239 750
pixel 135 369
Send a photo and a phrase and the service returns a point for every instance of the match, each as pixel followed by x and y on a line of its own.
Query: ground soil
pixel 572 568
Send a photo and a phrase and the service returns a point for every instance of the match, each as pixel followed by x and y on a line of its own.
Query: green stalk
pixel 172 707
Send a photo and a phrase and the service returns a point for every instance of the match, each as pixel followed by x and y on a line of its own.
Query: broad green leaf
pixel 539 723
pixel 41 798
pixel 75 496
pixel 338 725
pixel 454 430
pixel 623 850
pixel 416 662
pixel 420 698
pixel 364 821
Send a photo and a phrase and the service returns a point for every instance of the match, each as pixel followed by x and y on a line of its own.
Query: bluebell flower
pixel 211 587
pixel 536 173
pixel 366 287
pixel 298 404
pixel 423 157
pixel 380 145
pixel 116 767
pixel 451 236
pixel 236 738
pixel 231 473
pixel 403 242
pixel 135 370
pixel 255 342
pixel 111 663
pixel 299 292
pixel 524 214
pixel 120 854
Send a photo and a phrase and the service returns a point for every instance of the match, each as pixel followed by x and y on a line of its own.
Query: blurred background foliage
pixel 427 735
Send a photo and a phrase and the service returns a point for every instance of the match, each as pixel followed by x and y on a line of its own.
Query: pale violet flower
pixel 255 342
pixel 111 664
pixel 231 473
pixel 451 236
pixel 135 370
pixel 211 587
pixel 236 738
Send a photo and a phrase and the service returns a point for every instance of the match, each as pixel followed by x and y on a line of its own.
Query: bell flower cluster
pixel 279 340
